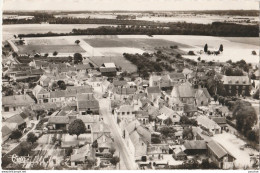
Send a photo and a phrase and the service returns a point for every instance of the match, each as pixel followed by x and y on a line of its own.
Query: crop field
pixel 31 49
pixel 118 60
pixel 47 41
pixel 141 43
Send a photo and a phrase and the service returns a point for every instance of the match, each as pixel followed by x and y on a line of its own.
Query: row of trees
pixel 219 29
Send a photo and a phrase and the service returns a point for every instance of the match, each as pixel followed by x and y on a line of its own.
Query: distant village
pixel 77 115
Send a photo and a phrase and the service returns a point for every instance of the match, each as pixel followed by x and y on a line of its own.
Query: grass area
pixel 118 60
pixel 142 43
pixel 31 49
pixel 47 41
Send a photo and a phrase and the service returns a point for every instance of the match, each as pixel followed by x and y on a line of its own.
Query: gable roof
pixel 184 91
pixel 59 120
pixel 6 131
pixel 167 111
pixel 195 145
pixel 144 133
pixel 201 91
pixel 176 75
pixel 88 104
pixel 125 91
pixel 17 100
pixel 126 108
pixel 217 149
pixel 106 69
pixel 236 80
pixel 219 120
pixel 15 119
pixel 153 90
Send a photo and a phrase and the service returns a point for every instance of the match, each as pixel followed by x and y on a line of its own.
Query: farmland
pixel 31 49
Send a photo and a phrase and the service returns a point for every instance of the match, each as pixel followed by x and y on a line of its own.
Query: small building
pixel 220 156
pixel 202 97
pixel 88 107
pixel 41 94
pixel 222 122
pixel 59 122
pixel 108 69
pixel 208 124
pixel 195 147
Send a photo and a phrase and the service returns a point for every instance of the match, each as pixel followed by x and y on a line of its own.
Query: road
pixel 125 161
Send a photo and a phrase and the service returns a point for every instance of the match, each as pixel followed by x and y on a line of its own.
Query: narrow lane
pixel 120 146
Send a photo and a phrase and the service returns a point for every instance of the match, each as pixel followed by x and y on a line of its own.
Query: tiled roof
pixel 236 80
pixel 195 145
pixel 88 104
pixel 100 127
pixel 6 131
pixel 117 83
pixel 152 90
pixel 184 91
pixel 126 108
pixel 219 120
pixel 199 92
pixel 15 119
pixel 205 121
pixel 176 75
pixel 218 150
pixel 17 100
pixel 125 91
pixel 105 69
pixel 59 120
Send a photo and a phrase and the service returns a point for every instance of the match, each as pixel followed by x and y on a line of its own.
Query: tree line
pixel 215 29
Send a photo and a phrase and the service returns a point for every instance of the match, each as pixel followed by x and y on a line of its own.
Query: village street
pixel 125 161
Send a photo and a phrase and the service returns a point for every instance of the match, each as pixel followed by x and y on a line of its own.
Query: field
pixel 141 43
pixel 31 49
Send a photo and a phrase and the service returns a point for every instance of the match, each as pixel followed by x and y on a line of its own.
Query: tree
pixel 16 134
pixel 77 127
pixel 14 54
pixel 156 140
pixel 77 42
pixel 55 53
pixel 95 144
pixel 15 36
pixel 256 94
pixel 46 55
pixel 253 52
pixel 77 58
pixel 25 149
pixel 199 59
pixel 187 134
pixel 69 151
pixel 215 98
pixel 168 121
pixel 245 116
pixel 61 84
pixel 168 132
pixel 221 48
pixel 206 48
pixel 114 160
pixel 31 137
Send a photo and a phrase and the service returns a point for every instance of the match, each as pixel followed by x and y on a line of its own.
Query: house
pixel 195 147
pixel 142 117
pixel 16 120
pixel 58 122
pixel 186 72
pixel 125 112
pixel 89 121
pixel 41 94
pixel 101 133
pixel 88 107
pixel 202 97
pixel 209 125
pixel 45 81
pixel 137 139
pixel 237 85
pixel 154 81
pixel 222 122
pixel 82 155
pixel 178 153
pixel 177 77
pixel 184 92
pixel 153 94
pixel 220 156
pixel 190 109
pixel 16 102
pixel 166 112
pixel 108 69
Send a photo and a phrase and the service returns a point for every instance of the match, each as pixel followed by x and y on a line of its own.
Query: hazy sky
pixel 130 4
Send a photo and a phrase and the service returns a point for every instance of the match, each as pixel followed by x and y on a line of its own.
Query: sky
pixel 131 5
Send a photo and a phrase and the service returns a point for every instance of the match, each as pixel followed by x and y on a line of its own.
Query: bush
pixel 16 134
pixel 191 53
pixel 253 52
pixel 156 140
